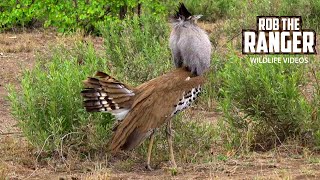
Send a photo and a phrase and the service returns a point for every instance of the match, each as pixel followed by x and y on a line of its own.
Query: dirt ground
pixel 18 160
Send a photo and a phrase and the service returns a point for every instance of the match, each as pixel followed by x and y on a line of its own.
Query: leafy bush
pixel 263 103
pixel 211 10
pixel 137 45
pixel 16 14
pixel 49 106
pixel 71 15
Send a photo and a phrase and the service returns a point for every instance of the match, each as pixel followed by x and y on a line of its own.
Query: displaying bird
pixel 141 110
pixel 190 45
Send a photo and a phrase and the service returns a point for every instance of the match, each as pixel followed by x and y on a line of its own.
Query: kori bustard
pixel 190 45
pixel 141 110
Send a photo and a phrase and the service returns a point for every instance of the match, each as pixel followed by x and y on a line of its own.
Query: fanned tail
pixel 103 93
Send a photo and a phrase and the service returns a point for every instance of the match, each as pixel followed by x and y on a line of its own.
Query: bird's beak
pixel 197 16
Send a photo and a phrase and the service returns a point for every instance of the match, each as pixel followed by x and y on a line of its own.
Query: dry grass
pixel 286 162
pixel 16 156
pixel 4 171
pixel 99 175
pixel 17 43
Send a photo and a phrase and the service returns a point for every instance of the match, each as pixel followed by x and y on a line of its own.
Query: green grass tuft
pixel 49 105
pixel 263 104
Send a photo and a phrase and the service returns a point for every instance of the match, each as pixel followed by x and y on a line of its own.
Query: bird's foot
pixel 148 167
pixel 173 168
pixel 173 171
pixel 173 165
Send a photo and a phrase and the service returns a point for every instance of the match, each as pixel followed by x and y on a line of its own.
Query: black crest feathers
pixel 182 12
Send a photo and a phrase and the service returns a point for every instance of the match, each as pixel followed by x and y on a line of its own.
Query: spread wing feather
pixel 154 104
pixel 104 93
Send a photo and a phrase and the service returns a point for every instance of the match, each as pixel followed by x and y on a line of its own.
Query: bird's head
pixel 184 15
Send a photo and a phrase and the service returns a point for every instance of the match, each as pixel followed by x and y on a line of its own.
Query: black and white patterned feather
pixel 186 100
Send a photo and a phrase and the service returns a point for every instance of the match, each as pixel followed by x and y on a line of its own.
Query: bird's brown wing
pixel 104 93
pixel 154 104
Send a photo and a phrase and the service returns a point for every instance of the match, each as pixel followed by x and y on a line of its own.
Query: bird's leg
pixel 149 152
pixel 169 137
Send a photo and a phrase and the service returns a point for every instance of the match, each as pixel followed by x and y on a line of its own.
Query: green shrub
pixel 243 15
pixel 193 139
pixel 49 106
pixel 16 14
pixel 138 48
pixel 262 103
pixel 72 15
pixel 211 10
pixel 314 83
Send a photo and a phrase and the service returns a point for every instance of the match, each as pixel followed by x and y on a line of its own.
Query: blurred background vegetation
pixel 261 105
pixel 71 15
